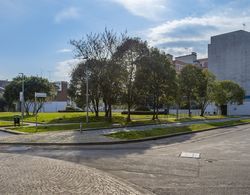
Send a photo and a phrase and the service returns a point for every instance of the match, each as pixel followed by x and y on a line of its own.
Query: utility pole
pixel 87 95
pixel 22 98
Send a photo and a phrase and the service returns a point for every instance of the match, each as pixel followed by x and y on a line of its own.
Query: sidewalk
pixel 92 136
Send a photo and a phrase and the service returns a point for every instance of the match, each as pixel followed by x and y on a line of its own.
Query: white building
pixel 229 59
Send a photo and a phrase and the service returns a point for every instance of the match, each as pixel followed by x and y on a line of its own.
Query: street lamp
pixel 22 97
pixel 87 95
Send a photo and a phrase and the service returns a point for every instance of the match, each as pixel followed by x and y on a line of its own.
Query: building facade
pixel 61 99
pixel 182 61
pixel 229 59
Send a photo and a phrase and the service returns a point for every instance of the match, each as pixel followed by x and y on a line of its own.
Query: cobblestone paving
pixel 22 174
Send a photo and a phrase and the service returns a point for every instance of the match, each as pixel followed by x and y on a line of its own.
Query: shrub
pixel 142 108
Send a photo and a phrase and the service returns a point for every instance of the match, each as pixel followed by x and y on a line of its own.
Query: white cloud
pixel 67 14
pixel 64 68
pixel 64 50
pixel 150 9
pixel 192 32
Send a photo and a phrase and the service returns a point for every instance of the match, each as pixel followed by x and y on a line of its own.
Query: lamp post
pixel 87 96
pixel 22 98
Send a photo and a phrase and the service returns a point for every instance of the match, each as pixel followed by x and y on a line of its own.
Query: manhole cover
pixel 189 155
pixel 20 148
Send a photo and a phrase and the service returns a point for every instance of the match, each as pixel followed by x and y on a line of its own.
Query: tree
pixel 128 55
pixel 160 77
pixel 178 99
pixel 205 90
pixel 89 51
pixel 103 72
pixel 190 78
pixel 32 84
pixel 227 92
pixel 3 104
pixel 112 75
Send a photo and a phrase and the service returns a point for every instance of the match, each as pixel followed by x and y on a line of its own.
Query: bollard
pixel 81 127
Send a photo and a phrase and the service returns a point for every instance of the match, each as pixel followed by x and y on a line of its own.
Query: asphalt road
pixel 224 166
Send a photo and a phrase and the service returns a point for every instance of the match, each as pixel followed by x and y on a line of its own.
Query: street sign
pixel 40 95
pixel 21 96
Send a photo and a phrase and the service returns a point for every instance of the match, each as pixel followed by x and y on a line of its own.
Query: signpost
pixel 38 95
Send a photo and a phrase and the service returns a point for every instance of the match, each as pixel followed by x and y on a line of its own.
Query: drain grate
pixel 18 148
pixel 190 155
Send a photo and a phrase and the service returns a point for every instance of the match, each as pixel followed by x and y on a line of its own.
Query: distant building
pixel 179 65
pixel 203 63
pixel 188 59
pixel 170 57
pixel 3 84
pixel 182 61
pixel 229 59
pixel 61 99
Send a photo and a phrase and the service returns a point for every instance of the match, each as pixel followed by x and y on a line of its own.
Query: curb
pixel 121 141
pixel 141 125
pixel 12 131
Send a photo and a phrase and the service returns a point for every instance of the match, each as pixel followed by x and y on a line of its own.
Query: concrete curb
pixel 120 141
pixel 12 131
pixel 141 125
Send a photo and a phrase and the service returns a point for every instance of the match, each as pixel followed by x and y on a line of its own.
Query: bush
pixel 71 109
pixel 142 112
pixel 142 108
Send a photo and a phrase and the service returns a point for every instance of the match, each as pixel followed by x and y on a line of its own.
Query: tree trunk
pixel 110 112
pixel 202 111
pixel 153 118
pixel 177 112
pixel 105 108
pixel 157 107
pixel 189 106
pixel 128 117
pixel 27 108
pixel 97 108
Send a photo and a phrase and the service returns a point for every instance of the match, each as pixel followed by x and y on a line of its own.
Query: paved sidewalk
pixel 91 136
pixel 23 174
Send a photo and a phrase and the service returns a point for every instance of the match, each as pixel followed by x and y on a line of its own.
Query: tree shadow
pixel 82 153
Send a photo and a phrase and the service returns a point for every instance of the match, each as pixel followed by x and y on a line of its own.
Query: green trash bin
pixel 16 120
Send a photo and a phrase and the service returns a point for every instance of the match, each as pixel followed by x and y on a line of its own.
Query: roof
pixel 202 59
pixel 179 62
pixel 233 32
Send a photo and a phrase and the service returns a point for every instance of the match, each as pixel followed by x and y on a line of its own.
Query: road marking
pixel 189 155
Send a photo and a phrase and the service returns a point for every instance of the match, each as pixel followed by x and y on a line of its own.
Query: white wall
pixel 229 58
pixel 234 109
pixel 53 106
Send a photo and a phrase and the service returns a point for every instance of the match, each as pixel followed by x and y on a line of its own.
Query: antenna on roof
pixel 244 26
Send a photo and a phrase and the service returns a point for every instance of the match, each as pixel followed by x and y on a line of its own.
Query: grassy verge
pixel 173 130
pixel 76 117
pixel 33 129
pixel 5 123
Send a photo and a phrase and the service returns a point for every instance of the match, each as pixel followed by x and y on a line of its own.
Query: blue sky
pixel 35 35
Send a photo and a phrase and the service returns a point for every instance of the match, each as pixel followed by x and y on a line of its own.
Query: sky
pixel 35 35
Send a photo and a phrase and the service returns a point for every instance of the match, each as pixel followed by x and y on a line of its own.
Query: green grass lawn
pixel 172 130
pixel 77 117
pixel 45 128
pixel 5 123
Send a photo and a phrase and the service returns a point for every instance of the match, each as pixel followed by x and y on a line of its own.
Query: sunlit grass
pixel 173 130
pixel 118 118
pixel 5 123
pixel 49 128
